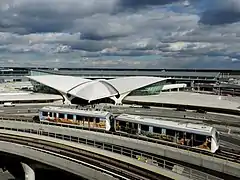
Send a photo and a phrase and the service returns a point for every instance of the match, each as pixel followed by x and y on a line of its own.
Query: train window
pixel 144 127
pixel 50 114
pixel 54 114
pixel 134 125
pixel 180 134
pixel 97 120
pixel 199 137
pixel 70 116
pixel 217 136
pixel 170 132
pixel 61 115
pixel 45 113
pixel 90 119
pixel 122 123
pixel 79 117
pixel 157 130
pixel 188 135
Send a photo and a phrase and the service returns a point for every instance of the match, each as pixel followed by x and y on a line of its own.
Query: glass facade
pixel 39 73
pixel 152 89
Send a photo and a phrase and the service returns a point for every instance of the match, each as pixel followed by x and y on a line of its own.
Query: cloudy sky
pixel 120 33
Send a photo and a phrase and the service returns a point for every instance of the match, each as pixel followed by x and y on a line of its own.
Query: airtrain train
pixel 197 136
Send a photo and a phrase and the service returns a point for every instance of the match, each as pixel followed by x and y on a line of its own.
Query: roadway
pixel 153 111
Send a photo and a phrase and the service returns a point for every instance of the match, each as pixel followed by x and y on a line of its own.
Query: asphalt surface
pixel 171 114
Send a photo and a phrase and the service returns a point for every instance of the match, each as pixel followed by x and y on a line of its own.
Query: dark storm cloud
pixel 88 45
pixel 140 3
pixel 218 18
pixel 217 12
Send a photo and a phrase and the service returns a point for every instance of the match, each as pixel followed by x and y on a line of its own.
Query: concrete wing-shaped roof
pixel 94 90
pixel 127 84
pixel 60 83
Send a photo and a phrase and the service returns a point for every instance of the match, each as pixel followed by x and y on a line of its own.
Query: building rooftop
pixel 127 72
pixel 91 90
pixel 190 99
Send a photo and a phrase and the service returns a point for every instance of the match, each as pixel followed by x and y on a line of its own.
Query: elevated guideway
pixel 198 159
pixel 62 162
pixel 64 155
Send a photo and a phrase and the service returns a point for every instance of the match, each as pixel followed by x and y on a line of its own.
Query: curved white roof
pixel 126 84
pixel 94 89
pixel 58 82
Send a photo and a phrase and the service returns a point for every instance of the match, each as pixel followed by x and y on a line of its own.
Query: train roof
pixel 85 112
pixel 189 127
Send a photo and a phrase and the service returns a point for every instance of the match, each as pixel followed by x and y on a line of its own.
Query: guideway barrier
pixel 137 137
pixel 141 156
pixel 157 163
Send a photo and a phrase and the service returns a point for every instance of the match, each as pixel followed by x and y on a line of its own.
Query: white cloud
pixel 119 32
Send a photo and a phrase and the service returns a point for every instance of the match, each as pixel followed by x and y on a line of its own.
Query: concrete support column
pixel 29 172
pixel 66 100
pixel 118 101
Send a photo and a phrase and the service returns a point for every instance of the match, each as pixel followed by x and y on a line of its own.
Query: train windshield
pixel 217 136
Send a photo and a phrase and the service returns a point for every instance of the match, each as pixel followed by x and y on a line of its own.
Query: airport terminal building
pixel 77 90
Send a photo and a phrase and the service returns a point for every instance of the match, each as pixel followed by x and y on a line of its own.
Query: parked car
pixel 8 104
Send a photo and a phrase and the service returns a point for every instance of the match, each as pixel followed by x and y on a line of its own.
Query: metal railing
pixel 141 156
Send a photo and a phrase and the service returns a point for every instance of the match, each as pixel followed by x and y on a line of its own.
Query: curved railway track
pixel 222 153
pixel 132 153
pixel 118 169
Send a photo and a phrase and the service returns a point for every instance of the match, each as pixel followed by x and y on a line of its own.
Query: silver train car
pixel 197 136
pixel 81 117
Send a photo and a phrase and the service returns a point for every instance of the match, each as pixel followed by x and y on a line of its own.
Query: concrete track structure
pixel 62 162
pixel 209 162
pixel 53 160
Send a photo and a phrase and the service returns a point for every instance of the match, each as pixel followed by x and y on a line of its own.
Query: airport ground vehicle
pixel 8 104
pixel 197 136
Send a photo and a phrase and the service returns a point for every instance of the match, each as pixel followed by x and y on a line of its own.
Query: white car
pixel 8 104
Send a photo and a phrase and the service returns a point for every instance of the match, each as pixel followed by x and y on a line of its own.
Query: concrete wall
pixel 54 160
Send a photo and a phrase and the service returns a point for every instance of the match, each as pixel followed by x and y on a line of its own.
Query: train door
pixel 132 128
pixel 121 126
pixel 112 123
pixel 55 116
